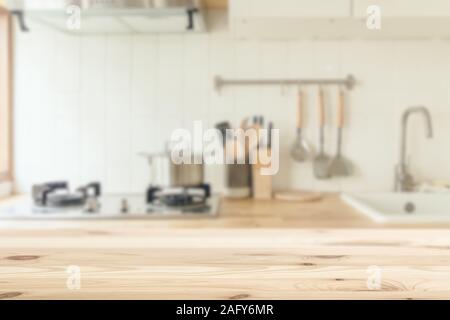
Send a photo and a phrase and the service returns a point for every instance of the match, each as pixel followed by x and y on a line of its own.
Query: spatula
pixel 322 161
pixel 340 166
pixel 301 150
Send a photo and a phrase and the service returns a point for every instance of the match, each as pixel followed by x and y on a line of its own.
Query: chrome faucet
pixel 404 181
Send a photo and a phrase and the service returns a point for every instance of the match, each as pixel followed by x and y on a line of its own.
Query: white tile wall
pixel 85 106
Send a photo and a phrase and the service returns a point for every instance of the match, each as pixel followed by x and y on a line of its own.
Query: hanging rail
pixel 349 82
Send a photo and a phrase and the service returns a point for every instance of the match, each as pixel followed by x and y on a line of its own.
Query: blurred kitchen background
pixel 86 105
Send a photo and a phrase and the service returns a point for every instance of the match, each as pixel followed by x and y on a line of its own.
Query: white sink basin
pixel 402 207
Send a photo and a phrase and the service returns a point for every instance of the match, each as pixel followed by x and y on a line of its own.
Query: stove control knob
pixel 124 207
pixel 92 205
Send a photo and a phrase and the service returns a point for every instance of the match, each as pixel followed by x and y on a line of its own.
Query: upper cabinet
pixel 290 8
pixel 339 19
pixel 406 19
pixel 405 8
pixel 286 19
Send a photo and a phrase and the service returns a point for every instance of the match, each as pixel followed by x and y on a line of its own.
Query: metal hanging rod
pixel 349 82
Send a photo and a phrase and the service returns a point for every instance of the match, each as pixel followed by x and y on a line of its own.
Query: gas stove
pixel 55 201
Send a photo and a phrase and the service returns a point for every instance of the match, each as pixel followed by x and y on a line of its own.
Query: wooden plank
pixel 192 264
pixel 178 260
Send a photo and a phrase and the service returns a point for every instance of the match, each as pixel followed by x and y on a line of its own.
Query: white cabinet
pixel 290 8
pixel 338 19
pixel 286 19
pixel 407 19
pixel 337 8
pixel 404 8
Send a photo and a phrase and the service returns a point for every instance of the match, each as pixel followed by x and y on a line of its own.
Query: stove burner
pixel 184 199
pixel 64 200
pixel 177 200
pixel 58 194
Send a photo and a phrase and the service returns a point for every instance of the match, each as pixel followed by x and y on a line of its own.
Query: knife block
pixel 261 184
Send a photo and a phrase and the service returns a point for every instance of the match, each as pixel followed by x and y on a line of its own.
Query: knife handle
pixel 300 101
pixel 341 109
pixel 321 108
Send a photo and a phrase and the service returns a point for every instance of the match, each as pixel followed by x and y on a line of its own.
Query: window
pixel 5 96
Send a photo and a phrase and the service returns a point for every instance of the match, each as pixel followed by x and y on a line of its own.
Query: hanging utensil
pixel 301 150
pixel 269 135
pixel 322 161
pixel 340 166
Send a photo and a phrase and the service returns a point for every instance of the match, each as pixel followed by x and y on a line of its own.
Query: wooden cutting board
pixel 298 196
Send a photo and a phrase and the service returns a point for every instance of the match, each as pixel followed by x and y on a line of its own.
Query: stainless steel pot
pixel 165 173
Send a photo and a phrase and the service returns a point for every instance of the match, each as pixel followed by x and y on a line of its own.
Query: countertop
pixel 330 212
pixel 253 250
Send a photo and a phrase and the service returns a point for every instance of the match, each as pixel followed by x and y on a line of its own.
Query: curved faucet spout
pixel 429 127
pixel 425 112
pixel 403 177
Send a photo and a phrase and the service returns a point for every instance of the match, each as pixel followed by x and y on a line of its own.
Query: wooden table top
pixel 255 250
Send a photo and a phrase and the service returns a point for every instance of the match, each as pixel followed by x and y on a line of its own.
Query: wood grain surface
pixel 141 263
pixel 254 250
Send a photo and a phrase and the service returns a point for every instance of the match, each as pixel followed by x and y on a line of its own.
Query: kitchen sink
pixel 402 207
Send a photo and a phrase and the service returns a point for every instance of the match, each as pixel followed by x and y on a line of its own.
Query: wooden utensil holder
pixel 261 184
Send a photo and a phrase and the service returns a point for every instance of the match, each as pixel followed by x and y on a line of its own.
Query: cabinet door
pixel 404 8
pixel 290 8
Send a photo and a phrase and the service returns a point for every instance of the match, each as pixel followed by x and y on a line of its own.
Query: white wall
pixel 86 105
